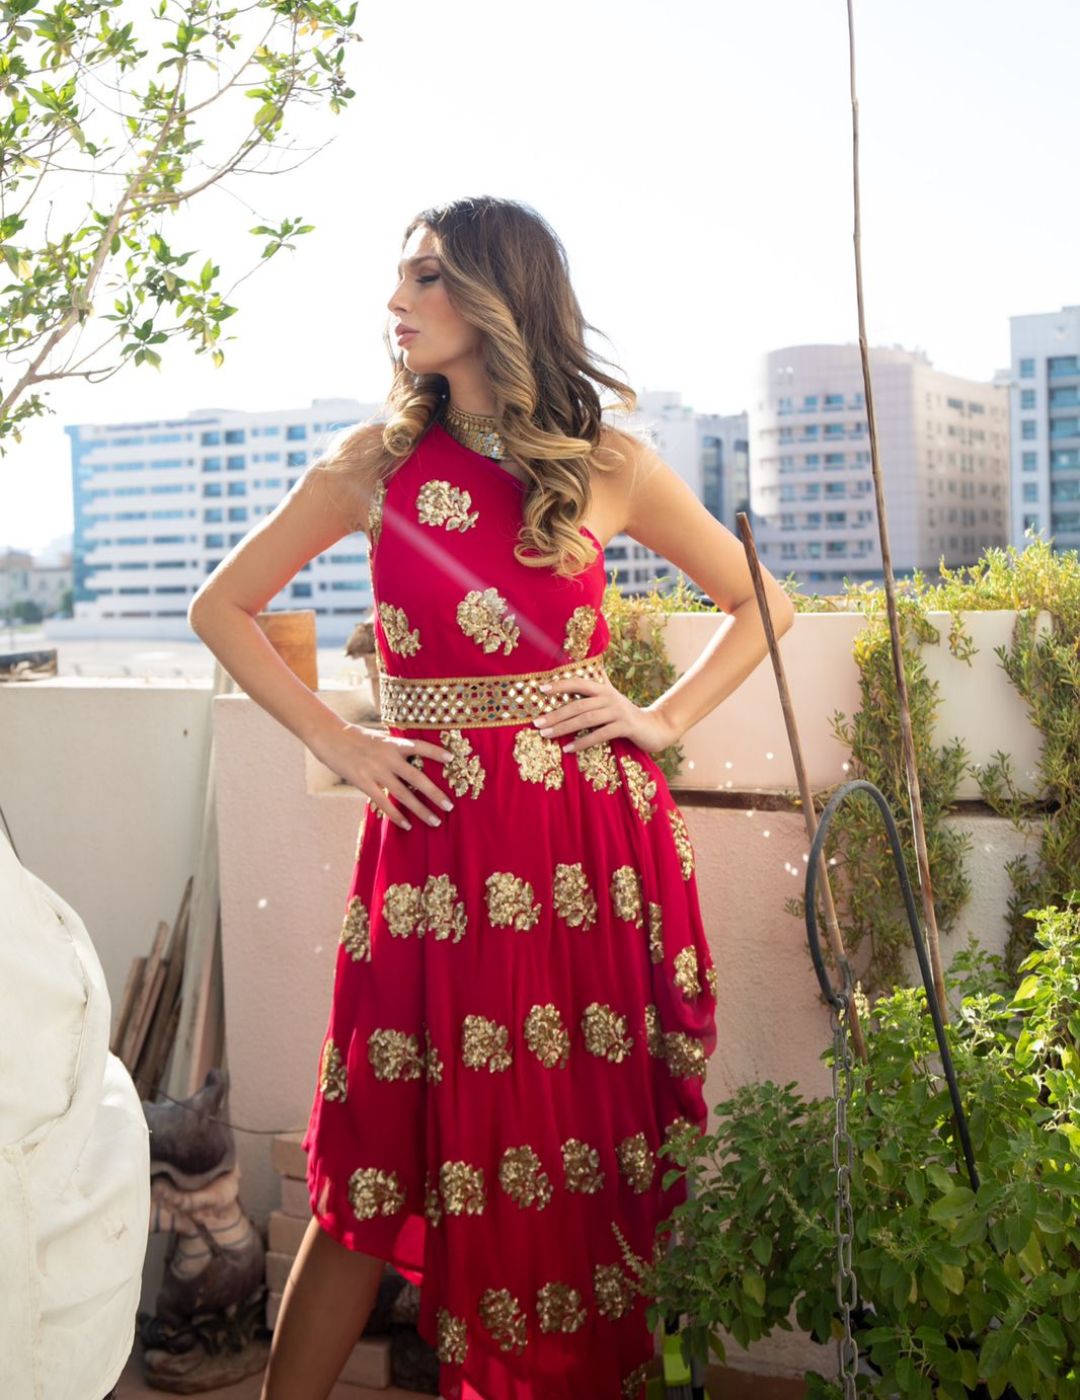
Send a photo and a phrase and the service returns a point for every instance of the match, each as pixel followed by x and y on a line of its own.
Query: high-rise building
pixel 1045 387
pixel 944 453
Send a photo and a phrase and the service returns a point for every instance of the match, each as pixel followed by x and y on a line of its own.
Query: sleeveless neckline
pixel 493 465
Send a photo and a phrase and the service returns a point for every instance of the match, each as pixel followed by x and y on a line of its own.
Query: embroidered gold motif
pixel 626 894
pixel 682 841
pixel 712 978
pixel 465 773
pixel 605 1032
pixel 614 1291
pixel 598 764
pixel 501 1314
pixel 547 1036
pixel 539 760
pixel 480 616
pixel 373 1191
pixel 332 1082
pixel 481 702
pixel 395 627
pixel 394 1054
pixel 433 1211
pixel 581 1167
pixel 433 1065
pixel 356 931
pixel 462 1188
pixel 559 1307
pixel 636 1161
pixel 634 1381
pixel 484 1044
pixel 359 841
pixel 656 932
pixel 375 513
pixel 434 909
pixel 451 1338
pixel 686 972
pixel 574 900
pixel 654 1035
pixel 440 503
pixel 580 626
pixel 641 786
pixel 520 1177
pixel 510 901
pixel 681 1134
pixel 685 1055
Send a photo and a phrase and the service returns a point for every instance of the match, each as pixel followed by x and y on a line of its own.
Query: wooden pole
pixel 930 931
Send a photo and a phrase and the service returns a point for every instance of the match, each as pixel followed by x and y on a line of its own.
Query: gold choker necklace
pixel 477 431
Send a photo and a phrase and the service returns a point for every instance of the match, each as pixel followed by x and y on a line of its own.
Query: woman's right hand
pixel 377 763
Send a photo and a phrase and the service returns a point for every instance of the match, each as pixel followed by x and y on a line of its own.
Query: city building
pixel 943 445
pixel 1045 387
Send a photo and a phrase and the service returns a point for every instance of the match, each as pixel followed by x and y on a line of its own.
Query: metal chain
pixel 847 1293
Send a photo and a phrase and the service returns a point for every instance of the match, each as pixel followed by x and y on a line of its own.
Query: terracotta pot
pixel 292 635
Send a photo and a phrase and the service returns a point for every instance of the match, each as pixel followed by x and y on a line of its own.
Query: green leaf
pixel 952 1204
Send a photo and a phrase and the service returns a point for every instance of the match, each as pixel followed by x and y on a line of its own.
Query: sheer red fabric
pixel 524 997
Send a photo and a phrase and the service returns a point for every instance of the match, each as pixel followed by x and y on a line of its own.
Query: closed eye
pixel 431 277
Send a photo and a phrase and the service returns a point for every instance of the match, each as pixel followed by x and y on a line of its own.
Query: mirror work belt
pixel 411 702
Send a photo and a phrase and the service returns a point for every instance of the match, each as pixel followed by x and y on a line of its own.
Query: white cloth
pixel 74 1157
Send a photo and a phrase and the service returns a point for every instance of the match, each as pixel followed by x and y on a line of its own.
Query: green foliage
pixel 131 160
pixel 962 1293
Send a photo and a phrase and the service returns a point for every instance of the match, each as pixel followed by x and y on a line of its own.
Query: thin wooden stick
pixel 930 931
pixel 836 941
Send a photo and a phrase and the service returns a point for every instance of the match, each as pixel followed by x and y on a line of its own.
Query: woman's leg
pixel 325 1306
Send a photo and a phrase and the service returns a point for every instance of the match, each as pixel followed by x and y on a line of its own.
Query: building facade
pixel 1044 384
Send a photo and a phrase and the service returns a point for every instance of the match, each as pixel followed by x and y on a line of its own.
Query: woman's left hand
pixel 606 712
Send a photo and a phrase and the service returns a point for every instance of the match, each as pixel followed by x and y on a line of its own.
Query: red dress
pixel 524 999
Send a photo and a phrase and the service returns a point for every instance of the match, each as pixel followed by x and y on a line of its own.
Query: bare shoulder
pixel 620 461
pixel 348 473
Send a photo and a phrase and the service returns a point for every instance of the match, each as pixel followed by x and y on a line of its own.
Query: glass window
pixel 296 432
pixel 235 464
pixel 234 434
pixel 1027 369
pixel 1031 490
pixel 1030 461
pixel 211 488
pixel 210 437
pixel 211 464
pixel 1027 398
pixel 1028 428
pixel 238 513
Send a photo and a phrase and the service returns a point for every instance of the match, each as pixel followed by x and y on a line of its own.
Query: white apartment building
pixel 943 444
pixel 1044 384
pixel 159 503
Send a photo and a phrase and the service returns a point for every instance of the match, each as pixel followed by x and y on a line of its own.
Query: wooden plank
pixel 148 994
pixel 127 1001
pixel 148 1067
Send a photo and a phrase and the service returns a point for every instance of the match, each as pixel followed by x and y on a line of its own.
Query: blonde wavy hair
pixel 506 273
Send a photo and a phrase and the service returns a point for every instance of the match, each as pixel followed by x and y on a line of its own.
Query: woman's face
pixel 420 303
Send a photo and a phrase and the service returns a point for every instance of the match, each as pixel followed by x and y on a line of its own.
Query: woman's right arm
pixel 313 516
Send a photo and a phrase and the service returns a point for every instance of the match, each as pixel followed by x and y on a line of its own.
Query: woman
pixel 524 998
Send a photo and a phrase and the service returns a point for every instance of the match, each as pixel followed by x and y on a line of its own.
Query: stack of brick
pixel 383 1349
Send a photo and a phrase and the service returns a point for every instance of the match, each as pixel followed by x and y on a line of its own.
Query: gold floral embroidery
pixel 614 1291
pixel 501 1314
pixel 480 616
pixel 654 1035
pixel 641 786
pixel 462 1188
pixel 451 1338
pixel 580 626
pixel 332 1082
pixel 636 1161
pixel 465 773
pixel 440 503
pixel 375 513
pixel 559 1307
pixel 682 841
pixel 574 900
pixel 597 762
pixel 712 978
pixel 394 1054
pixel 626 893
pixel 605 1032
pixel 510 901
pixel 356 931
pixel 685 1055
pixel 656 932
pixel 686 972
pixel 484 1043
pixel 547 1036
pixel 539 760
pixel 521 1178
pixel 373 1191
pixel 681 1133
pixel 395 626
pixel 634 1381
pixel 581 1167
pixel 433 909
pixel 433 1065
pixel 359 841
pixel 433 1211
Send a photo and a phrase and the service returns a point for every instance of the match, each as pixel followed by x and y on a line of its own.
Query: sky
pixel 695 159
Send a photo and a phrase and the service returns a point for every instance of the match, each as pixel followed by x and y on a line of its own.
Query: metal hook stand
pixel 839 1004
